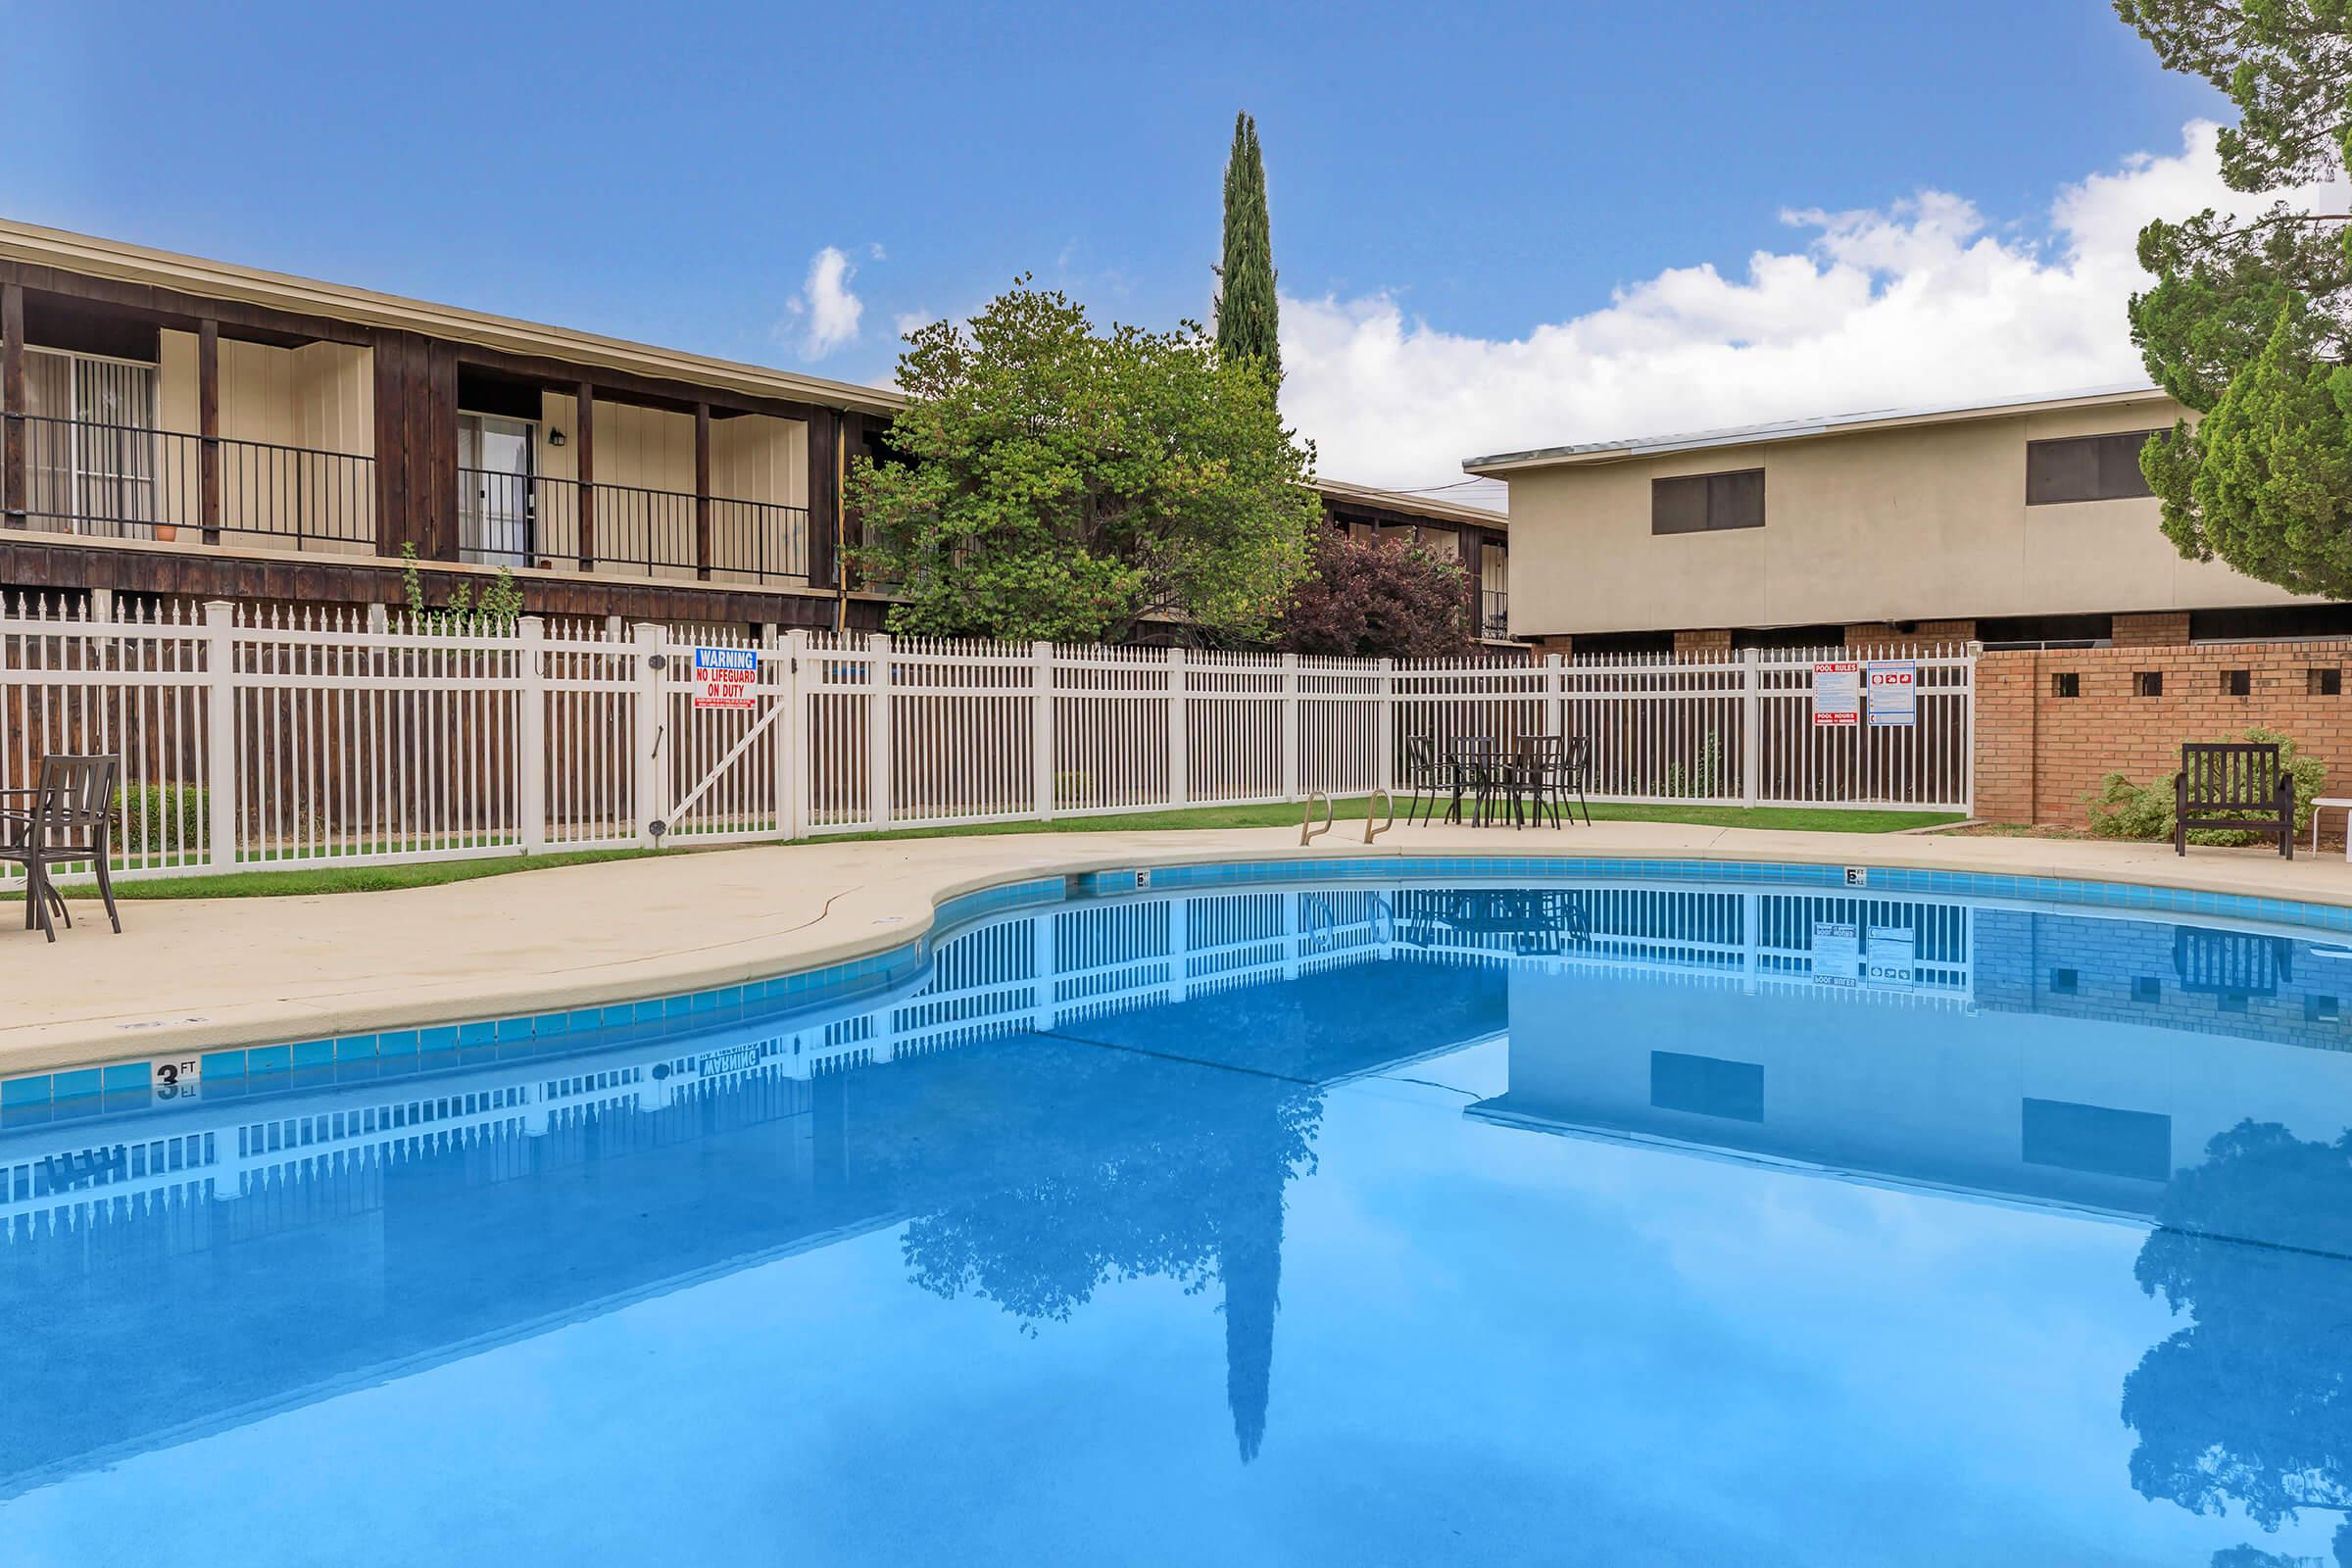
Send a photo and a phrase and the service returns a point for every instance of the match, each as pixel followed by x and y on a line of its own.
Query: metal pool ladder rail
pixel 1307 831
pixel 1371 832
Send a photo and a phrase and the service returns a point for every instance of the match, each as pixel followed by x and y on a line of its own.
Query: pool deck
pixel 193 973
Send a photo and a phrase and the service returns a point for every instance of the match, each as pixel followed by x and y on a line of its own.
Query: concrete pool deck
pixel 189 974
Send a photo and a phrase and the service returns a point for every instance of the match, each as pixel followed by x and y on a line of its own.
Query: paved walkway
pixel 211 972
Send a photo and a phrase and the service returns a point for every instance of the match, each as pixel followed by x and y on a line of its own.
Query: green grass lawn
pixel 434 874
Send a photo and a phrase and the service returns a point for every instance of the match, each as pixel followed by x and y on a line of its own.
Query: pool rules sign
pixel 1893 688
pixel 724 678
pixel 1837 694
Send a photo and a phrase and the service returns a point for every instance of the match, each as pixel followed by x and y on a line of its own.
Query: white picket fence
pixel 255 738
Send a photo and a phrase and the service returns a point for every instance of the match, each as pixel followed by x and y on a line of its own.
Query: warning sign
pixel 1837 693
pixel 1893 686
pixel 723 677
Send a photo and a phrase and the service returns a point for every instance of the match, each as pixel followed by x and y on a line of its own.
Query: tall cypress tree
pixel 1248 314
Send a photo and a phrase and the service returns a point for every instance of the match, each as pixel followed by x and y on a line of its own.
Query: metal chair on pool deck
pixel 69 822
pixel 1424 777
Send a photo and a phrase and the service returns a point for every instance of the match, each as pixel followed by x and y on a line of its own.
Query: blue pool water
pixel 1353 1223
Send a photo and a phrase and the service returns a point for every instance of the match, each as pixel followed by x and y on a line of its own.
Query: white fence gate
pixel 277 739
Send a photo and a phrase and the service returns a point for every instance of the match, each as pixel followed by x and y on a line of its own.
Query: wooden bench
pixel 2237 785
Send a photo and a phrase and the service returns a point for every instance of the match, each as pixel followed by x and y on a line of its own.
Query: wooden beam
pixel 702 491
pixel 824 501
pixel 623 386
pixel 11 401
pixel 208 424
pixel 584 437
pixel 182 312
pixel 392 392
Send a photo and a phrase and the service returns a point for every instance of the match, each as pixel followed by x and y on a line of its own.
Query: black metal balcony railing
pixel 121 482
pixel 521 520
pixel 1494 612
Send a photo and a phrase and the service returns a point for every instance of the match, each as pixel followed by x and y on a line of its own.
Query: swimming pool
pixel 1604 1220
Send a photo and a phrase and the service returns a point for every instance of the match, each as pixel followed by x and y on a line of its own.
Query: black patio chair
pixel 1540 778
pixel 1424 777
pixel 69 822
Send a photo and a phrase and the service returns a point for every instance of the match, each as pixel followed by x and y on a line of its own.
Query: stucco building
pixel 2017 521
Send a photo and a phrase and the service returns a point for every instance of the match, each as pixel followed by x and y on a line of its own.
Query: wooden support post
pixel 702 491
pixel 208 425
pixel 584 435
pixel 11 401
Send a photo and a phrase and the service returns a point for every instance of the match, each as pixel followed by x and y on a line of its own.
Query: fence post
pixel 1384 732
pixel 1555 695
pixel 1180 733
pixel 1751 725
pixel 1290 726
pixel 877 730
pixel 221 733
pixel 792 733
pixel 530 790
pixel 651 791
pixel 1041 727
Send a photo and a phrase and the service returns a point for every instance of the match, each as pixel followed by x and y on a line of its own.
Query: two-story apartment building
pixel 2024 521
pixel 187 428
pixel 184 427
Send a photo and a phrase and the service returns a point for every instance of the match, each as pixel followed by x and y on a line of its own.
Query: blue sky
pixel 669 174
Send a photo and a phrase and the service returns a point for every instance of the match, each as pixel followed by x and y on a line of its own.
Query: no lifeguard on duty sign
pixel 723 677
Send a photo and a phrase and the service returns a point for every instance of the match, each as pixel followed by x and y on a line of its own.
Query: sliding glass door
pixel 496 517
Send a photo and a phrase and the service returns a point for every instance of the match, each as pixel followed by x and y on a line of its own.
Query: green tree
pixel 1249 316
pixel 1064 484
pixel 2250 320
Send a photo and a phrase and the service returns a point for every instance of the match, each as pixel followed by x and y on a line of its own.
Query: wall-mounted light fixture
pixel 555 438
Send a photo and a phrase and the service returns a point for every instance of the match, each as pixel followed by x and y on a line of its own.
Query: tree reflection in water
pixel 2250 1402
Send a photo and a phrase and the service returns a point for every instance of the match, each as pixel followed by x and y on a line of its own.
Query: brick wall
pixel 1712 640
pixel 1877 634
pixel 2039 753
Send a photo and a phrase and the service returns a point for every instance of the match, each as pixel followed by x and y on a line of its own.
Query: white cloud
pixel 826 310
pixel 1921 302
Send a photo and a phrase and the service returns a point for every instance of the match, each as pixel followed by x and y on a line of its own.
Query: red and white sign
pixel 723 677
pixel 1837 694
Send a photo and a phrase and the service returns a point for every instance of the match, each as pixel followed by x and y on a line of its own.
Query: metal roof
pixel 1798 429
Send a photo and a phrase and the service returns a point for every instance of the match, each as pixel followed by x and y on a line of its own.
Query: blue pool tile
pixel 32 1090
pixel 74 1085
pixel 397 1043
pixel 223 1064
pixel 356 1048
pixel 268 1058
pixel 312 1052
pixel 480 1032
pixel 443 1037
pixel 128 1075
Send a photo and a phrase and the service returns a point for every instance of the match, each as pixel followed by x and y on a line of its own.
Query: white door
pixel 496 518
pixel 90 458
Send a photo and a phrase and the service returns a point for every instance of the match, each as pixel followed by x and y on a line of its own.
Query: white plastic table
pixel 2321 805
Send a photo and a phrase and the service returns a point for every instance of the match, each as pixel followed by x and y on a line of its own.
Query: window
pixel 2237 682
pixel 2065 982
pixel 2323 682
pixel 2147 988
pixel 1706 1086
pixel 2147 683
pixel 2098 1139
pixel 2068 683
pixel 2086 468
pixel 1703 502
pixel 2319 1010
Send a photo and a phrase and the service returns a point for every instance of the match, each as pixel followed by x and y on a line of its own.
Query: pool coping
pixel 883 950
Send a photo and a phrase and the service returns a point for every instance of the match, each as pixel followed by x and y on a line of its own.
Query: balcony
pixel 197 441
pixel 129 482
pixel 121 482
pixel 517 519
pixel 1494 614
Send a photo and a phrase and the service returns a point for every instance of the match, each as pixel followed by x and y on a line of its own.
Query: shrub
pixel 163 816
pixel 2123 810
